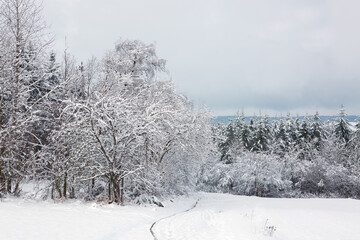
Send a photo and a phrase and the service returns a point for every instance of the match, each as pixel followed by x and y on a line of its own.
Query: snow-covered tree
pixel 342 127
pixel 282 138
pixel 317 132
pixel 134 139
pixel 261 138
pixel 22 45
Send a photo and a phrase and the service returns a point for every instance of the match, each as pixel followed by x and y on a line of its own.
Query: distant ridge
pixel 227 119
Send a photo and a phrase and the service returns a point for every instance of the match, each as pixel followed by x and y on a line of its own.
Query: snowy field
pixel 215 216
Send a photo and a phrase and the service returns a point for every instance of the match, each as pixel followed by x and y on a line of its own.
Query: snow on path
pixel 152 228
pixel 216 216
pixel 220 216
pixel 32 220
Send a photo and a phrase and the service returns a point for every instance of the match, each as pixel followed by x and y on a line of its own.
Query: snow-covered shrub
pixel 313 179
pixel 340 182
pixel 251 174
pixel 321 177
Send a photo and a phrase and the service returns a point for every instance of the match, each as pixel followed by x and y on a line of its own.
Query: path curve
pixel 152 226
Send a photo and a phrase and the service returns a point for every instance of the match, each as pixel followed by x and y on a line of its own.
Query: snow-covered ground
pixel 216 216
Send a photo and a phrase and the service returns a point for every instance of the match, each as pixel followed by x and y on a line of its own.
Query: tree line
pixel 287 157
pixel 106 130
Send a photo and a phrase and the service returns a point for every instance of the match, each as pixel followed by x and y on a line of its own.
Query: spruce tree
pixel 225 146
pixel 246 136
pixel 261 138
pixel 305 139
pixel 342 127
pixel 292 130
pixel 316 132
pixel 282 137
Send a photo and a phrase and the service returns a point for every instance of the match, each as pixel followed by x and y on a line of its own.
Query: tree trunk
pixel 122 191
pixel 58 189
pixel 118 199
pixel 65 185
pixel 2 182
pixel 52 191
pixel 17 189
pixel 72 193
pixel 116 190
pixel 109 191
pixel 8 187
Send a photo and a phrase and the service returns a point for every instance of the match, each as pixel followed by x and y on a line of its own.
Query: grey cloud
pixel 278 55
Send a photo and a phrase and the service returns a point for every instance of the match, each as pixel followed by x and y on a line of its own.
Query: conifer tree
pixel 226 146
pixel 304 131
pixel 281 137
pixel 317 132
pixel 246 136
pixel 261 137
pixel 342 127
pixel 292 131
pixel 267 129
pixel 305 139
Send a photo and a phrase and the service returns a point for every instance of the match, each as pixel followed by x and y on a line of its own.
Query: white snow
pixel 216 216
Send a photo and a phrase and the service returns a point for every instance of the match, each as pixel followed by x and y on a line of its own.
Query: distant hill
pixel 226 119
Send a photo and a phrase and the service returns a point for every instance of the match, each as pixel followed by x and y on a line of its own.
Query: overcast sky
pixel 232 55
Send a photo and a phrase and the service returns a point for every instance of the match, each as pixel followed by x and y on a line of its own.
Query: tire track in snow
pixel 173 215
